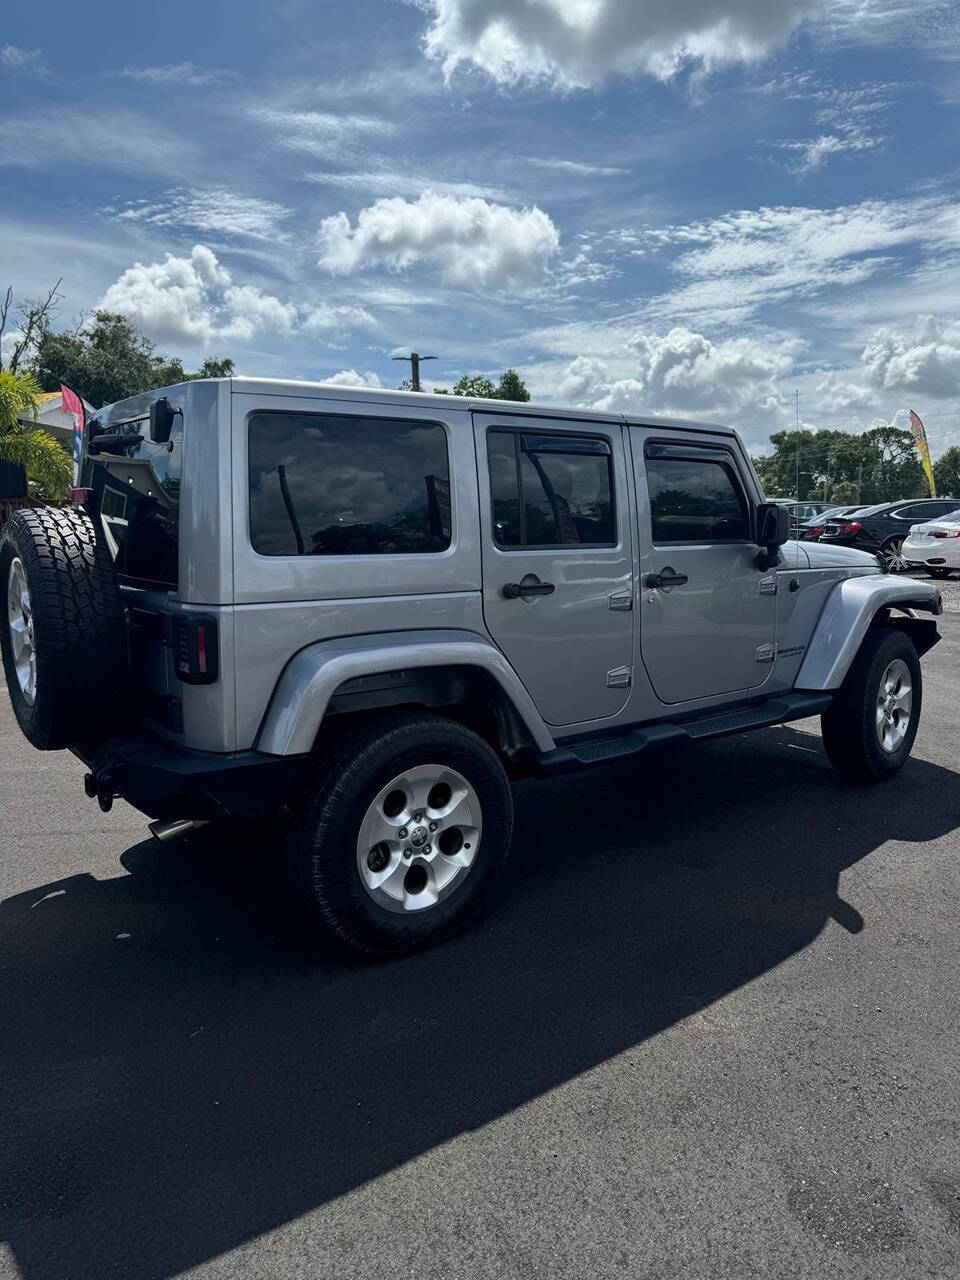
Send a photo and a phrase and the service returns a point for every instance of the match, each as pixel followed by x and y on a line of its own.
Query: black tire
pixel 893 546
pixel 849 724
pixel 79 635
pixel 939 573
pixel 324 825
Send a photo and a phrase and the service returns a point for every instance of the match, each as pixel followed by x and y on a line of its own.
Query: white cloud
pixel 474 243
pixel 577 43
pixel 733 265
pixel 319 133
pixel 925 359
pixel 393 182
pixel 680 372
pixel 576 167
pixel 117 139
pixel 351 378
pixel 209 210
pixel 812 153
pixel 194 299
pixel 181 74
pixel 31 61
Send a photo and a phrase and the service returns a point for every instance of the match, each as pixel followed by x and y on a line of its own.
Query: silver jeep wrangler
pixel 360 613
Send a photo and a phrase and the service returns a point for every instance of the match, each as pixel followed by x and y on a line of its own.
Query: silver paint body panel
pixel 293 628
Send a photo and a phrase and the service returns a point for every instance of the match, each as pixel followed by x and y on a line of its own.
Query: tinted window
pixel 920 511
pixel 138 486
pixel 550 491
pixel 694 500
pixel 323 485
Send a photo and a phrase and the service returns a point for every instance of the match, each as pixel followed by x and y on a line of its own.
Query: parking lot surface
pixel 709 1028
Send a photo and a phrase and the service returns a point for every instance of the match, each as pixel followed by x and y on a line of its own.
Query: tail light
pixel 942 533
pixel 196 647
pixel 851 526
pixel 811 534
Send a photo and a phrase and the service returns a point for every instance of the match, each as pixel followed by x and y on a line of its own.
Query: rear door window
pixel 329 485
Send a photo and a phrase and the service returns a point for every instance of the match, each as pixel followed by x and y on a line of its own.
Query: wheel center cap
pixel 418 837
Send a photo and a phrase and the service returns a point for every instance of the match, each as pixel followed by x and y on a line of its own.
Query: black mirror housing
pixel 162 415
pixel 773 530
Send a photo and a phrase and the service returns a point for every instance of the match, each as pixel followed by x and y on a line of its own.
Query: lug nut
pixel 427 849
pixel 418 817
pixel 433 826
pixel 407 853
pixel 402 833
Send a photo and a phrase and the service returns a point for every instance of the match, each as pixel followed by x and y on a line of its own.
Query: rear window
pixel 326 485
pixel 137 483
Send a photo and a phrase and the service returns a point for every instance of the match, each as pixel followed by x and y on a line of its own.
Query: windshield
pixel 137 483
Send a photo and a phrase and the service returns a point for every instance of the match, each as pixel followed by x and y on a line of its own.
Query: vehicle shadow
pixel 173 1093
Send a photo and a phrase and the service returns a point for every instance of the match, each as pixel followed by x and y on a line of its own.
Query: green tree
pixel 106 358
pixel 48 465
pixel 875 465
pixel 476 387
pixel 844 495
pixel 946 472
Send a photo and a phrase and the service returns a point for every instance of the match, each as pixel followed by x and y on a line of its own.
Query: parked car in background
pixel 882 529
pixel 811 529
pixel 935 545
pixel 800 512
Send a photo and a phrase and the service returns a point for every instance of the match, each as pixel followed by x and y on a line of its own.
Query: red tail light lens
pixel 812 533
pixel 851 526
pixel 942 533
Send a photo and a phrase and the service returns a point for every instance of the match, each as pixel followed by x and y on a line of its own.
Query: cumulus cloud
pixel 925 358
pixel 681 372
pixel 351 378
pixel 474 242
pixel 194 299
pixel 576 43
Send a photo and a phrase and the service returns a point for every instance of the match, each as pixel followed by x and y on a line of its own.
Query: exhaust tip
pixel 167 831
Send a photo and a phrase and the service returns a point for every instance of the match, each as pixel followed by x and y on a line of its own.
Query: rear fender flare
pixel 312 676
pixel 848 614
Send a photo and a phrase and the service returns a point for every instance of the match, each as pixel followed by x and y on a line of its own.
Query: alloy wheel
pixel 894 705
pixel 20 624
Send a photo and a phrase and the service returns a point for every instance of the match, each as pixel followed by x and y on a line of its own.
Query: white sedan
pixel 934 545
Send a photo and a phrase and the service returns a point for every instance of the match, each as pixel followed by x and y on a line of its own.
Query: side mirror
pixel 162 414
pixel 773 530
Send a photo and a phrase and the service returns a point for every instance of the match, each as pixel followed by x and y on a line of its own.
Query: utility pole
pixel 414 357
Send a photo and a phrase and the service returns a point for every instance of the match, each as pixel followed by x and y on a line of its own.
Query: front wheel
pixel 401 832
pixel 869 728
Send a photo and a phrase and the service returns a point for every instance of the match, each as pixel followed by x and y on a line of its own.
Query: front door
pixel 707 611
pixel 557 560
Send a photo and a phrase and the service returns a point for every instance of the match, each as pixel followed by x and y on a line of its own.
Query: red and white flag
pixel 72 404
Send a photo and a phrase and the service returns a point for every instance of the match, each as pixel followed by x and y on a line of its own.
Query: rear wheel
pixel 401 832
pixel 869 728
pixel 62 636
pixel 892 555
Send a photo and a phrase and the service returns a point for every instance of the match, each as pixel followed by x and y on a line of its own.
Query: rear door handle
pixel 665 579
pixel 526 590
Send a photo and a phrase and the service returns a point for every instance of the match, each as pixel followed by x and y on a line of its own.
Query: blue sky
pixel 686 206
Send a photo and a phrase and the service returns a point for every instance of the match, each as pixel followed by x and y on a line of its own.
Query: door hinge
pixel 621 601
pixel 620 678
pixel 768 586
pixel 766 653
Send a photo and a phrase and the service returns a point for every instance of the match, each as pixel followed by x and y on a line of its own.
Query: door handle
pixel 665 579
pixel 526 590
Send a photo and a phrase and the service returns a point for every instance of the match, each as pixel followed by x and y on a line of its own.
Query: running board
pixel 712 724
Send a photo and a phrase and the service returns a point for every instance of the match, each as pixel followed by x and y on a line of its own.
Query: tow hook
pixel 101 787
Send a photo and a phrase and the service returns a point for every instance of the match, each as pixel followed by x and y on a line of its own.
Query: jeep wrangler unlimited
pixel 361 613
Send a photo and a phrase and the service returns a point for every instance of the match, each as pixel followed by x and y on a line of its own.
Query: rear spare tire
pixel 62 635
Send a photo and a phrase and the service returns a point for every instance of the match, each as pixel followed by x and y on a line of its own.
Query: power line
pixel 415 358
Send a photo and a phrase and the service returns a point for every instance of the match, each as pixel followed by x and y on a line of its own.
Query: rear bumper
pixel 168 782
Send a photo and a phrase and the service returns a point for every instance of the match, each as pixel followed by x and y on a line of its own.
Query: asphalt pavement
pixel 708 1029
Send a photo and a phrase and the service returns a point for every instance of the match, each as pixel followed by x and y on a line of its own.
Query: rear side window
pixel 326 485
pixel 550 491
pixel 696 500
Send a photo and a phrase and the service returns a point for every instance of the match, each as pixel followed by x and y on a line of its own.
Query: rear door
pixel 707 615
pixel 557 560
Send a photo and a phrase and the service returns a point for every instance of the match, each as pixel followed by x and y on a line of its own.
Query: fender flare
pixel 312 676
pixel 847 616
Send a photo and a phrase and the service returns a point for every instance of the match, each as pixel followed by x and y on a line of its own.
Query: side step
pixel 713 724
